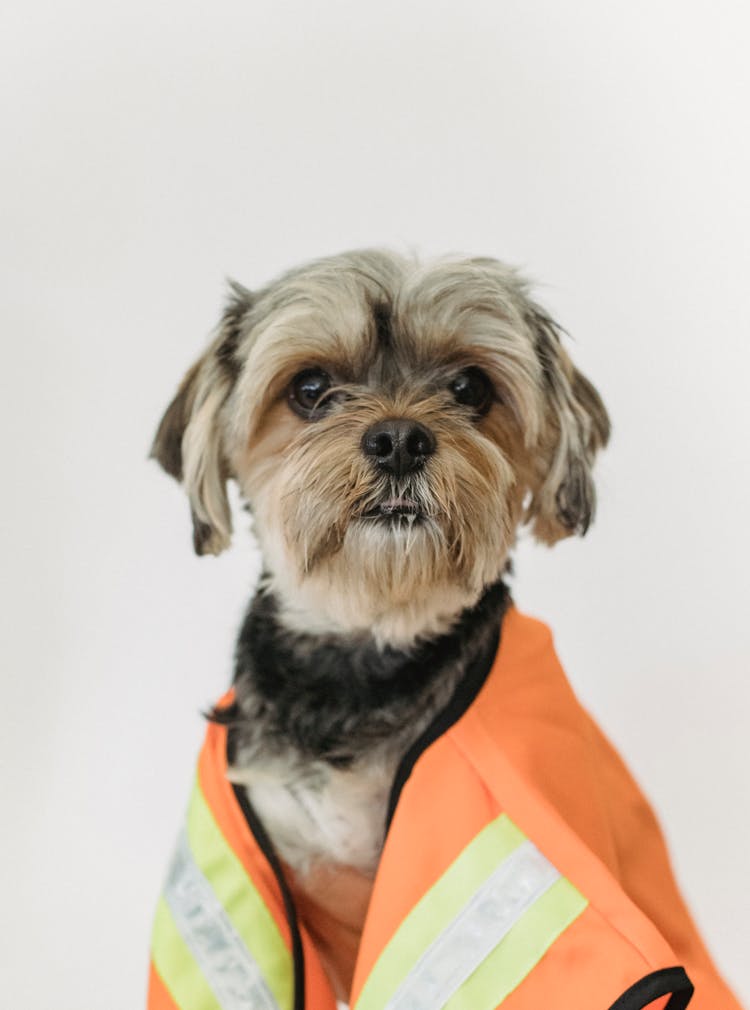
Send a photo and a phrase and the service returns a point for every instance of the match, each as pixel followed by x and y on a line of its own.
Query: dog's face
pixel 390 426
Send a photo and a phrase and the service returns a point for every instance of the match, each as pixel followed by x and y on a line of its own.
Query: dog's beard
pixel 357 546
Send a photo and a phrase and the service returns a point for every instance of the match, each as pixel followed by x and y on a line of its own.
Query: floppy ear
pixel 190 440
pixel 576 427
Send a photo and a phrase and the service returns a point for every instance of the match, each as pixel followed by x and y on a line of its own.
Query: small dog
pixel 390 425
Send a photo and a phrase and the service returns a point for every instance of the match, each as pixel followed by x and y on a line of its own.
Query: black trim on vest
pixel 261 837
pixel 651 987
pixel 466 691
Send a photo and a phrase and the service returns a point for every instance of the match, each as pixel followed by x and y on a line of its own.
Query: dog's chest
pixel 320 725
pixel 320 814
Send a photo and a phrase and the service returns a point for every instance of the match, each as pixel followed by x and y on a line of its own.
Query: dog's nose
pixel 398 445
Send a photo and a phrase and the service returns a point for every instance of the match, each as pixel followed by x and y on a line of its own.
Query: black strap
pixel 261 837
pixel 651 987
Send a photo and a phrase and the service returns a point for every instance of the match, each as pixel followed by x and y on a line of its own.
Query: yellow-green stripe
pixel 240 899
pixel 177 966
pixel 437 909
pixel 523 947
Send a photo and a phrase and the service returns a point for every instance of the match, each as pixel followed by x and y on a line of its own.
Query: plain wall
pixel 149 150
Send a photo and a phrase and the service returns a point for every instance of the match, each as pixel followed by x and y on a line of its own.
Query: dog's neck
pixel 317 606
pixel 321 725
pixel 335 698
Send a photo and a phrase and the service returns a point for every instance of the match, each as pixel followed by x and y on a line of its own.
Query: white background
pixel 150 149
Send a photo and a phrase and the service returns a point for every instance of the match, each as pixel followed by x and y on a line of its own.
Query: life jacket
pixel 522 869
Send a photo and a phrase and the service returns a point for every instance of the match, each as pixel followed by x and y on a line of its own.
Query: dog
pixel 390 426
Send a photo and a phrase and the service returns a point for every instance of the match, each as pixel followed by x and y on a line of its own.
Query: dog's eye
pixel 307 393
pixel 472 388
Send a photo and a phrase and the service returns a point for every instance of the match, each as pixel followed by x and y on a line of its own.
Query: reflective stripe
pixel 496 891
pixel 485 919
pixel 221 955
pixel 240 899
pixel 523 947
pixel 437 908
pixel 215 944
pixel 176 965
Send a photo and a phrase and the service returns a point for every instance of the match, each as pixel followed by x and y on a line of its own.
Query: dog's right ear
pixel 190 439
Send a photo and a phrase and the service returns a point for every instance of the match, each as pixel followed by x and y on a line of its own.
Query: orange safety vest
pixel 522 868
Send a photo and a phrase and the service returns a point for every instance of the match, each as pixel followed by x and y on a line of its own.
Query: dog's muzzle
pixel 398 445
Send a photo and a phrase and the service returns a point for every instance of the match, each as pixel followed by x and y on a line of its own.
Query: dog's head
pixel 390 425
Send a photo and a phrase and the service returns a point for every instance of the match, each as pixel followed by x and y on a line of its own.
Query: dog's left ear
pixel 576 426
pixel 190 440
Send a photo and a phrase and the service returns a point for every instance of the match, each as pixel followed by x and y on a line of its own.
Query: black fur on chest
pixel 336 697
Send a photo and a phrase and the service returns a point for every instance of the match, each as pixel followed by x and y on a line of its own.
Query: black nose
pixel 398 445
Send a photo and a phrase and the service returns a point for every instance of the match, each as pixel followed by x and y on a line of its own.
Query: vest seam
pixel 464 696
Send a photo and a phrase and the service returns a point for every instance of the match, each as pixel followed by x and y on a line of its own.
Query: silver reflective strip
pixel 488 916
pixel 221 954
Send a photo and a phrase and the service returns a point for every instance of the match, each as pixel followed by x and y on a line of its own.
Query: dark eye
pixel 307 393
pixel 472 388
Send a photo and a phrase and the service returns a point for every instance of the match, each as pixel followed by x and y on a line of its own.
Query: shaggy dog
pixel 390 425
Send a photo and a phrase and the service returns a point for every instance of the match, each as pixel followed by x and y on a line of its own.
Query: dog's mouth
pixel 394 508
